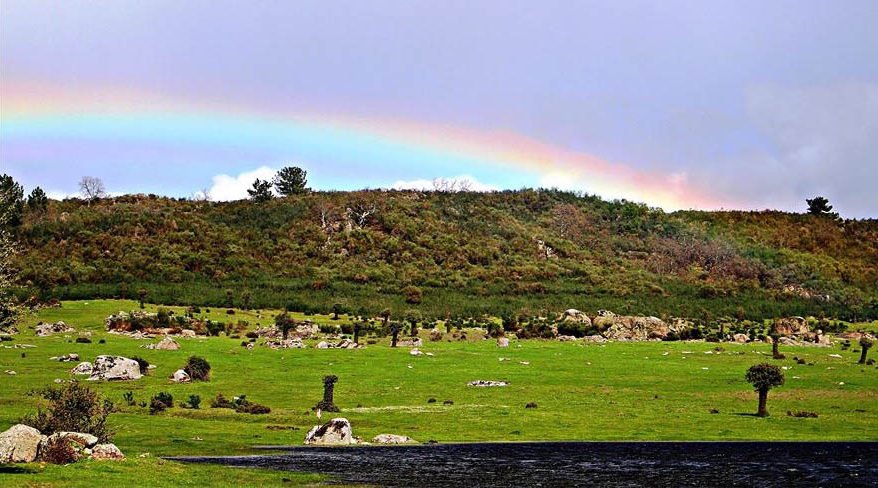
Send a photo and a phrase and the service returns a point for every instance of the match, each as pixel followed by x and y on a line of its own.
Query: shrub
pixel 802 414
pixel 413 294
pixel 253 409
pixel 165 398
pixel 220 401
pixel 251 335
pixel 59 451
pixel 195 401
pixel 128 396
pixel 83 340
pixel 143 363
pixel 198 369
pixel 156 406
pixel 72 408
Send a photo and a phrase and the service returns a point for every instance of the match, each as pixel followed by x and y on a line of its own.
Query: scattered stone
pixel 566 338
pixel 595 339
pixel 487 383
pixel 65 358
pixel 115 368
pixel 336 432
pixel 741 338
pixel 836 356
pixel 573 315
pixel 623 328
pixel 323 345
pixel 287 344
pixel 83 368
pixel 503 342
pixel 106 452
pixel 10 372
pixel 436 335
pixel 20 444
pixel 415 342
pixel 44 330
pixel 392 439
pixel 415 352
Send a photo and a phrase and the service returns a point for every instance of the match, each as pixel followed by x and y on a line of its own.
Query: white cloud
pixel 227 188
pixel 454 183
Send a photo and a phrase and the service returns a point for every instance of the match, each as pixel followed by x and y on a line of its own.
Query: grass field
pixel 618 391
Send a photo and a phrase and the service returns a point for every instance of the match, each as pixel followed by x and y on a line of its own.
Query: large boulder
pixel 336 432
pixel 181 376
pixel 106 452
pixel 115 368
pixel 20 444
pixel 44 330
pixel 392 439
pixel 791 326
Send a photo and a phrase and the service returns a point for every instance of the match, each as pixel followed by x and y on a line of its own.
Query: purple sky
pixel 758 103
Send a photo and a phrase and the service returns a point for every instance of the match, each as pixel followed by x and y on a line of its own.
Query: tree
pixel 291 180
pixel 10 310
pixel 775 351
pixel 328 402
pixel 820 206
pixel 865 345
pixel 92 188
pixel 395 328
pixel 261 191
pixel 12 201
pixel 37 201
pixel 285 323
pixel 413 317
pixel 764 377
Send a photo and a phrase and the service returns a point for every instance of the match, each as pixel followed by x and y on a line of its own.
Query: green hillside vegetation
pixel 450 254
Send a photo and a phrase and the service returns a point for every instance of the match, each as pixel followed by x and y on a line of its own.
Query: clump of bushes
pixel 72 408
pixel 197 368
pixel 59 451
pixel 159 403
pixel 239 404
pixel 83 340
pixel 142 363
pixel 194 402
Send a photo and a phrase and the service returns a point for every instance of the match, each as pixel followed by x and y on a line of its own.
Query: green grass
pixel 585 392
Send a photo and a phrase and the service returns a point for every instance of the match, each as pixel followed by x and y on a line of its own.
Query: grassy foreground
pixel 618 391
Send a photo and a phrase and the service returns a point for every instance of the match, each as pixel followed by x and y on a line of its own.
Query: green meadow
pixel 656 391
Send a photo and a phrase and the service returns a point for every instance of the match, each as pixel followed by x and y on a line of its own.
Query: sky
pixel 700 104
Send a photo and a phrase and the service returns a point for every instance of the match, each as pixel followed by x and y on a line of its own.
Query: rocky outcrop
pixel 44 330
pixel 336 432
pixel 20 444
pixel 115 368
pixel 80 445
pixel 791 326
pixel 573 315
pixel 392 439
pixel 8 330
pixel 595 339
pixel 343 344
pixel 83 368
pixel 626 328
pixel 436 335
pixel 285 344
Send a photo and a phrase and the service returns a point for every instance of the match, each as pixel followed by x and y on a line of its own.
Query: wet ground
pixel 582 464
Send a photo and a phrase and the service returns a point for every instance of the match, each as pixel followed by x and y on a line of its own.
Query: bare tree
pixel 202 195
pixel 360 212
pixel 92 188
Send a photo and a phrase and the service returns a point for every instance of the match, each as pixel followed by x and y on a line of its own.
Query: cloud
pixel 227 188
pixel 454 183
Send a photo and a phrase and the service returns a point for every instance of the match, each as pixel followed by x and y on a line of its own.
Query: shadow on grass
pixel 7 469
pixel 740 414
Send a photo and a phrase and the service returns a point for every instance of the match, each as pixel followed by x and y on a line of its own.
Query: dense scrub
pixel 451 254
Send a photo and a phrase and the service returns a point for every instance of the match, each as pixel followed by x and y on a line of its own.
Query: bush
pixel 165 398
pixel 59 451
pixel 128 396
pixel 156 406
pixel 83 340
pixel 194 401
pixel 143 363
pixel 413 294
pixel 198 369
pixel 253 409
pixel 221 402
pixel 73 408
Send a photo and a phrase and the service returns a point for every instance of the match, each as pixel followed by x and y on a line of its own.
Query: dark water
pixel 583 464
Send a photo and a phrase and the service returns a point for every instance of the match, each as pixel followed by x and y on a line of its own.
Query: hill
pixel 451 254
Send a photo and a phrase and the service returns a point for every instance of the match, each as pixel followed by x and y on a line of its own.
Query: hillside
pixel 451 254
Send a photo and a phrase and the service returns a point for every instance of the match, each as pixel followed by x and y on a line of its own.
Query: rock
pixel 10 372
pixel 106 452
pixel 181 376
pixel 307 330
pixel 115 368
pixel 269 332
pixel 623 328
pixel 415 352
pixel 487 384
pixel 347 344
pixel 605 313
pixel 414 342
pixel 595 338
pixel 8 330
pixel 66 358
pixel 436 335
pixel 823 340
pixel 285 344
pixel 83 368
pixel 44 330
pixel 573 315
pixel 503 342
pixel 20 444
pixel 189 333
pixel 323 345
pixel 166 344
pixel 336 432
pixel 791 326
pixel 566 338
pixel 740 338
pixel 392 439
pixel 81 444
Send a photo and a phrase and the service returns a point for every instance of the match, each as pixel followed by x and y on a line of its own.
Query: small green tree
pixel 261 191
pixel 764 377
pixel 820 206
pixel 10 309
pixel 291 180
pixel 141 297
pixel 37 201
pixel 865 345
pixel 395 329
pixel 246 298
pixel 11 201
pixel 285 323
pixel 413 317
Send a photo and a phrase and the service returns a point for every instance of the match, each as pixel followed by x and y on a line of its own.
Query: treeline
pixel 450 254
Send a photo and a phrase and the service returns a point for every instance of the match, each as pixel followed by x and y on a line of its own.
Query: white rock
pixel 106 452
pixel 503 342
pixel 115 368
pixel 20 444
pixel 181 376
pixel 336 432
pixel 83 368
pixel 486 383
pixel 392 439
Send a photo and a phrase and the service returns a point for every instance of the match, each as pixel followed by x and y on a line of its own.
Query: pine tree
pixel 291 180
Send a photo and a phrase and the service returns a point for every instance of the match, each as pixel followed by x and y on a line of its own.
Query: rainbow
pixel 42 115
